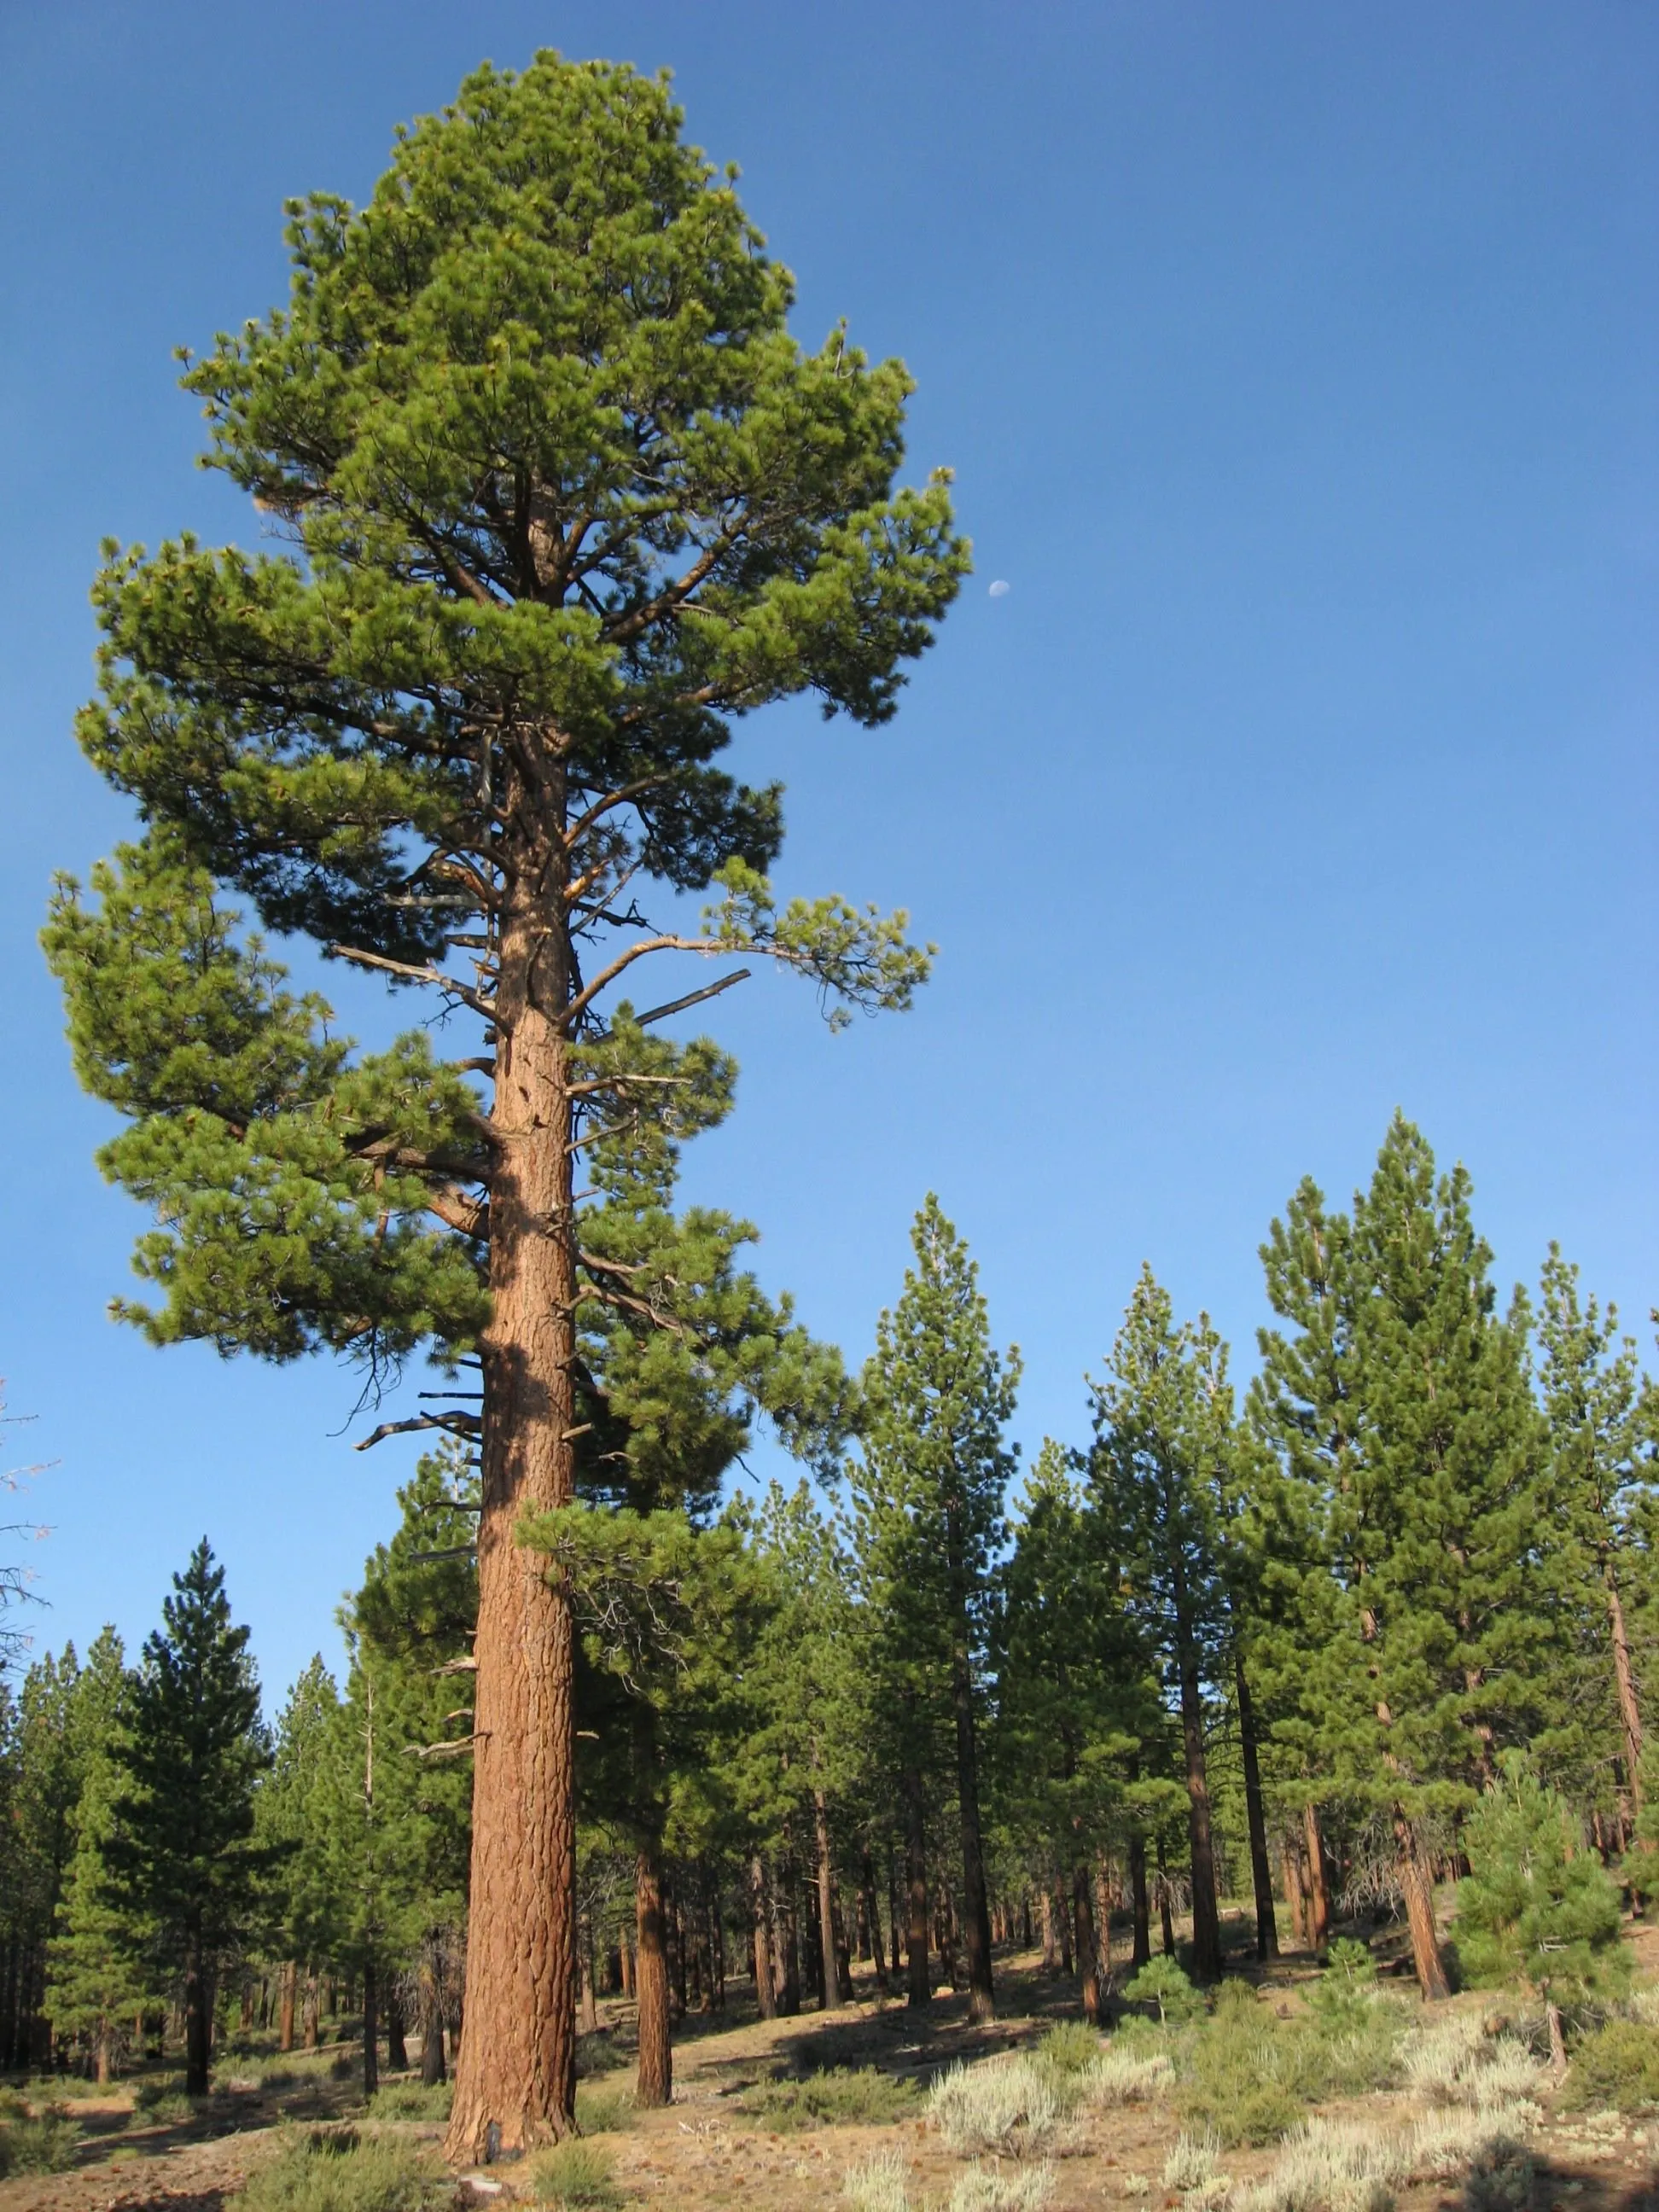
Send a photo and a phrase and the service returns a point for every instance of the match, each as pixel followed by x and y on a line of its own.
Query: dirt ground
pixel 702 2154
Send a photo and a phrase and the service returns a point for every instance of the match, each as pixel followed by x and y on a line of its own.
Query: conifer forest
pixel 1250 1796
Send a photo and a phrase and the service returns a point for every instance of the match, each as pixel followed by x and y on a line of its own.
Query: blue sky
pixel 1297 365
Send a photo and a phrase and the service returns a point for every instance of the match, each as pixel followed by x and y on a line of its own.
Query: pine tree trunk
pixel 102 2076
pixel 626 1961
pixel 516 2079
pixel 288 1976
pixel 1206 1920
pixel 1418 1893
pixel 918 1992
pixel 976 1917
pixel 396 2051
pixel 655 2083
pixel 1630 1713
pixel 1319 1896
pixel 1261 1873
pixel 843 1955
pixel 313 2019
pixel 812 1946
pixel 1088 1963
pixel 1104 1882
pixel 1050 1951
pixel 1026 1936
pixel 371 2029
pixel 829 1982
pixel 788 1932
pixel 588 2018
pixel 1290 1860
pixel 1558 2042
pixel 197 2023
pixel 872 1915
pixel 432 2022
pixel 1166 1914
pixel 766 1999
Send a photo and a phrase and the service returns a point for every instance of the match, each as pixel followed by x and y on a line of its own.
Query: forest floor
pixel 706 2153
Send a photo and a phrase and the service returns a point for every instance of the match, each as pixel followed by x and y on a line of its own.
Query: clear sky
pixel 1298 365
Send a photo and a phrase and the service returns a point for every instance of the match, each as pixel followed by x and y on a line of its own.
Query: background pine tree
pixel 928 1498
pixel 182 1851
pixel 96 1976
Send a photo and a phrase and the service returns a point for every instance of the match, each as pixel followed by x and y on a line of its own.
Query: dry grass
pixel 999 2189
pixel 881 2183
pixel 1005 2107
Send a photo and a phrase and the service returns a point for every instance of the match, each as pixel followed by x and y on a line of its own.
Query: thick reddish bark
pixel 766 2000
pixel 1419 1892
pixel 1630 1713
pixel 1319 1894
pixel 655 2081
pixel 515 2080
pixel 288 1976
pixel 1290 1859
pixel 1088 1963
pixel 1261 1875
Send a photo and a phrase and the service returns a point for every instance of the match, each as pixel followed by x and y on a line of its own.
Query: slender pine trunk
pixel 1088 1962
pixel 197 2021
pixel 1261 1873
pixel 1418 1889
pixel 1207 1918
pixel 370 2028
pixel 918 1992
pixel 830 1981
pixel 766 1999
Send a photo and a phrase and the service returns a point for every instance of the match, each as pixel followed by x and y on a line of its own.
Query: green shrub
pixel 840 2097
pixel 40 2142
pixel 412 2100
pixel 162 2102
pixel 1243 2081
pixel 596 2054
pixel 1070 2047
pixel 339 2170
pixel 1618 2065
pixel 603 2111
pixel 1162 1984
pixel 148 2094
pixel 1349 1980
pixel 577 2177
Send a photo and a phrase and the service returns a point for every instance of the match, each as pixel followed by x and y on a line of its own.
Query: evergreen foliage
pixel 928 1502
pixel 562 496
pixel 182 1852
pixel 96 1977
pixel 1537 1907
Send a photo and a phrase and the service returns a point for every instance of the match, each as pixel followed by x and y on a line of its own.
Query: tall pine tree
pixel 96 1976
pixel 1399 1409
pixel 928 1496
pixel 1164 1418
pixel 561 495
pixel 182 1851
